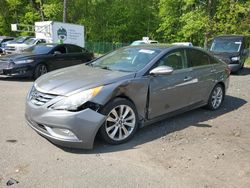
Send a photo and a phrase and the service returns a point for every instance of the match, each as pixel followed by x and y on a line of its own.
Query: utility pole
pixel 65 3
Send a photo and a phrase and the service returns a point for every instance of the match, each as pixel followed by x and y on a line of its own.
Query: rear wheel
pixel 40 70
pixel 121 122
pixel 216 97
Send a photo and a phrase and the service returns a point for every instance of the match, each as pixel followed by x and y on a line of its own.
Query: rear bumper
pixel 84 125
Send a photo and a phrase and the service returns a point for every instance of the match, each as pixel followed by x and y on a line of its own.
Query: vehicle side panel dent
pixel 136 90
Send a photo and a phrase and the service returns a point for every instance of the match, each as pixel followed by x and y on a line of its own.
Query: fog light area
pixel 62 133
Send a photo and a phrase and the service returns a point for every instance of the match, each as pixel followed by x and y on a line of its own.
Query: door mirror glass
pixel 162 70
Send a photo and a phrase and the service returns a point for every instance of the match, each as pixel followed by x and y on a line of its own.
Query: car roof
pixel 164 47
pixel 56 44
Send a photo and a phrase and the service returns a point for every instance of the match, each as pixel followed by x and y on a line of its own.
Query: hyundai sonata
pixel 123 90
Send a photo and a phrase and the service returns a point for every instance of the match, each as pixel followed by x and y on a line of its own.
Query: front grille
pixel 12 48
pixel 4 64
pixel 37 98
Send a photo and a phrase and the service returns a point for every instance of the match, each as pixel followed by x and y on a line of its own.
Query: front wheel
pixel 216 97
pixel 121 122
pixel 40 70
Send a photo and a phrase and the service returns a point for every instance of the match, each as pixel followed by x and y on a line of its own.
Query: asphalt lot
pixel 196 149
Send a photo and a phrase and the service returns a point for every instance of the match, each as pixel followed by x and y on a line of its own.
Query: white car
pixel 140 42
pixel 183 43
pixel 19 48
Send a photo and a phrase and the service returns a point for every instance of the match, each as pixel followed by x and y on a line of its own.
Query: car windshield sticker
pixel 147 51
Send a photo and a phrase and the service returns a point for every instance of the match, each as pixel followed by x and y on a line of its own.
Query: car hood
pixel 78 78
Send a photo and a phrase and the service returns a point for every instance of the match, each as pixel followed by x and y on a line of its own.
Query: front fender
pixel 136 90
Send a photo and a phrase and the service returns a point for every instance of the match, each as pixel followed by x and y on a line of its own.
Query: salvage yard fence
pixel 103 47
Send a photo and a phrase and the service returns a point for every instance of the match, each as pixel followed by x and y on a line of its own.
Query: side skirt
pixel 146 122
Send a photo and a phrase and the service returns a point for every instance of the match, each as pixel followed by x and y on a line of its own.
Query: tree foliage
pixel 168 21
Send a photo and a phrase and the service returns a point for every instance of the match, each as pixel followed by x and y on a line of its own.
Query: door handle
pixel 187 78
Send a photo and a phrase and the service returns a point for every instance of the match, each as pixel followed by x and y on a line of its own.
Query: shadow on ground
pixel 245 71
pixel 163 128
pixel 16 79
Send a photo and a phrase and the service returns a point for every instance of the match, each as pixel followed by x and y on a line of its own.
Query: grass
pixel 247 61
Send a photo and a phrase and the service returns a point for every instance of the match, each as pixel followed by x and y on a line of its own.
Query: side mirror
pixel 245 52
pixel 162 70
pixel 56 52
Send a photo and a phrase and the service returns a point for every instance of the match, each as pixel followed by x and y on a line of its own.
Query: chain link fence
pixel 103 47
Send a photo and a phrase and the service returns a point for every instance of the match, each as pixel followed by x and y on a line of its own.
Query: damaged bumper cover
pixel 64 128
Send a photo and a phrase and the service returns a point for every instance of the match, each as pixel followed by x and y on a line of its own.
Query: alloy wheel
pixel 42 69
pixel 217 97
pixel 120 122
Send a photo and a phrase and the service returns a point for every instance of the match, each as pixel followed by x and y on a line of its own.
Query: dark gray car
pixel 123 90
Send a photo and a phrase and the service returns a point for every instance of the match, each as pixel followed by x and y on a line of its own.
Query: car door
pixel 59 58
pixel 76 55
pixel 202 75
pixel 168 93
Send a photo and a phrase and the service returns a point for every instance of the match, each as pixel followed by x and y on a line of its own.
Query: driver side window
pixel 60 49
pixel 173 59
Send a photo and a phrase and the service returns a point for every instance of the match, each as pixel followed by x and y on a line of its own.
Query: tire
pixel 119 126
pixel 242 66
pixel 40 70
pixel 216 97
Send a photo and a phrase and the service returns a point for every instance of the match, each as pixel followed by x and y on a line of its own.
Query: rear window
pixel 74 49
pixel 197 58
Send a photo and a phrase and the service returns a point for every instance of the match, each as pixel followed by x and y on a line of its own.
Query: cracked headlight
pixel 73 102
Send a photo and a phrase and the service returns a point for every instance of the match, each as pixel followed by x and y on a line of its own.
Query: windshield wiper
pixel 105 67
pixel 101 67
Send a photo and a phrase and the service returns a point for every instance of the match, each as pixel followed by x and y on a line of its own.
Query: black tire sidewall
pixel 37 74
pixel 106 110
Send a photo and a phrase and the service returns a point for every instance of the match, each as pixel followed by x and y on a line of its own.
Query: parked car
pixel 232 49
pixel 20 47
pixel 17 40
pixel 123 90
pixel 141 42
pixel 43 58
pixel 183 43
pixel 4 39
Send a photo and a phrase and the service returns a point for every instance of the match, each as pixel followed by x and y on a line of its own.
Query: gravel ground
pixel 195 149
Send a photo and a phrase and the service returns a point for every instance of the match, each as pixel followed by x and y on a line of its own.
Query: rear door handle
pixel 187 78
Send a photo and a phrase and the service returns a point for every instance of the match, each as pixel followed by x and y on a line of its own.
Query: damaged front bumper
pixel 64 128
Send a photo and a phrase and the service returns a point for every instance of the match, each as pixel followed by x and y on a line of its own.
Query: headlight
pixel 73 102
pixel 235 58
pixel 24 61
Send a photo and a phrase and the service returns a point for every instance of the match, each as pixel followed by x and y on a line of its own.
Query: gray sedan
pixel 122 91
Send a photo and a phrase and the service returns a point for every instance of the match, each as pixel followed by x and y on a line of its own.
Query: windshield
pixel 30 41
pixel 229 46
pixel 127 59
pixel 20 39
pixel 40 49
